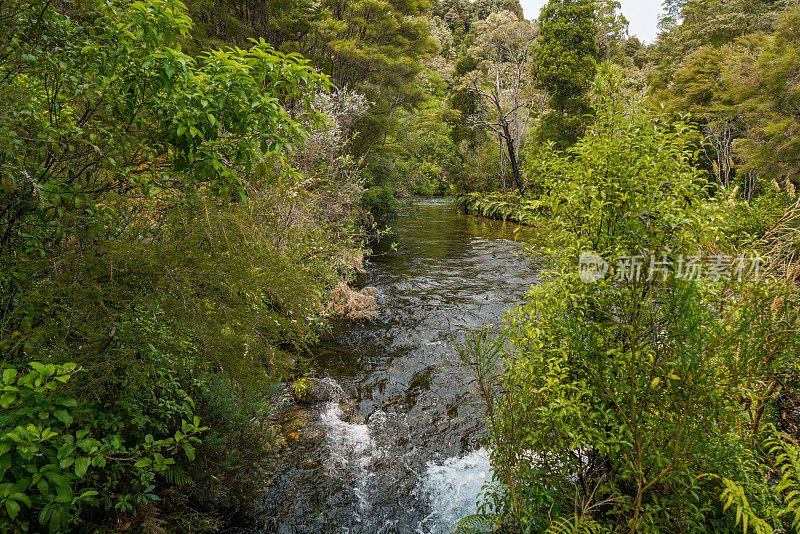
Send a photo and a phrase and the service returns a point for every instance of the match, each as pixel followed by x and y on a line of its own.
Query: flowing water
pixel 401 452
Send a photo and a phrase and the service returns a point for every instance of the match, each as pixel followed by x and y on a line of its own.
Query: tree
pixel 698 89
pixel 375 47
pixel 281 23
pixel 690 24
pixel 500 80
pixel 728 65
pixel 612 29
pixel 764 89
pixel 564 65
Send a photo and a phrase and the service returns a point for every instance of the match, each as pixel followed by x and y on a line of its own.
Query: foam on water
pixel 349 442
pixel 450 488
pixel 453 488
pixel 351 446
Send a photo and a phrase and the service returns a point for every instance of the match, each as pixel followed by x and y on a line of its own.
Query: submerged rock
pixel 312 390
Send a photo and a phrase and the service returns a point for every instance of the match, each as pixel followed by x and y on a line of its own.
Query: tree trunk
pixel 502 163
pixel 512 157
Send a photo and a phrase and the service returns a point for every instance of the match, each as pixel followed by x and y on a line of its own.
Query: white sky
pixel 642 15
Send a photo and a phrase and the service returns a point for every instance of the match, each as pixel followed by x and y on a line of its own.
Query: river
pixel 403 452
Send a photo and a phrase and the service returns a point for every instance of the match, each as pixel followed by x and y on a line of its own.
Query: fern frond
pixel 787 460
pixel 575 526
pixel 177 477
pixel 473 524
pixel 733 495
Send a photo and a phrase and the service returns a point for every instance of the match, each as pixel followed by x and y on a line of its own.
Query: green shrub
pixel 380 199
pixel 615 396
pixel 503 206
pixel 60 460
pixel 749 221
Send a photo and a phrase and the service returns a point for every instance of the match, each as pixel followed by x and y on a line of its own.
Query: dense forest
pixel 190 189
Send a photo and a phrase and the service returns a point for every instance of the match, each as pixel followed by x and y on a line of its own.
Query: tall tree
pixel 612 28
pixel 375 47
pixel 501 80
pixel 698 89
pixel 767 91
pixel 564 64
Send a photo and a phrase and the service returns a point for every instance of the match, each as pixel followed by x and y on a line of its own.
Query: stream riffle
pixel 402 452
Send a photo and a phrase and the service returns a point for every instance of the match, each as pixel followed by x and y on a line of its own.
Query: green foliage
pixel 504 206
pixel 689 25
pixel 615 392
pixel 375 48
pixel 237 450
pixel 567 52
pixel 567 526
pixel 734 495
pixel 747 222
pixel 565 65
pixel 301 388
pixel 727 64
pixel 472 524
pixel 56 462
pixel 787 460
pixel 612 30
pixel 150 236
pixel 783 501
pixel 419 157
pixel 282 23
pixel 128 103
pixel 379 199
pixel 770 101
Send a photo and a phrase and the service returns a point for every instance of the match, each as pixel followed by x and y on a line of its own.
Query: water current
pixel 401 449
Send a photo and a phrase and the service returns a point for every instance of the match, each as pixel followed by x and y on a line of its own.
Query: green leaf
pixel 7 398
pixel 5 464
pixel 82 463
pixel 21 497
pixel 86 494
pixel 189 450
pixel 63 416
pixel 9 375
pixel 12 507
pixel 144 462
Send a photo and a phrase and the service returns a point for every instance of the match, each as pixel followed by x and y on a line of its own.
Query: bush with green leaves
pixel 616 396
pixel 509 206
pixel 380 198
pixel 57 460
pixel 104 101
pixel 153 233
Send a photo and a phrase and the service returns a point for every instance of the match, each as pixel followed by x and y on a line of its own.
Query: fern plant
pixel 786 455
pixel 501 206
pixel 787 460
pixel 733 495
pixel 575 526
pixel 176 476
pixel 474 524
